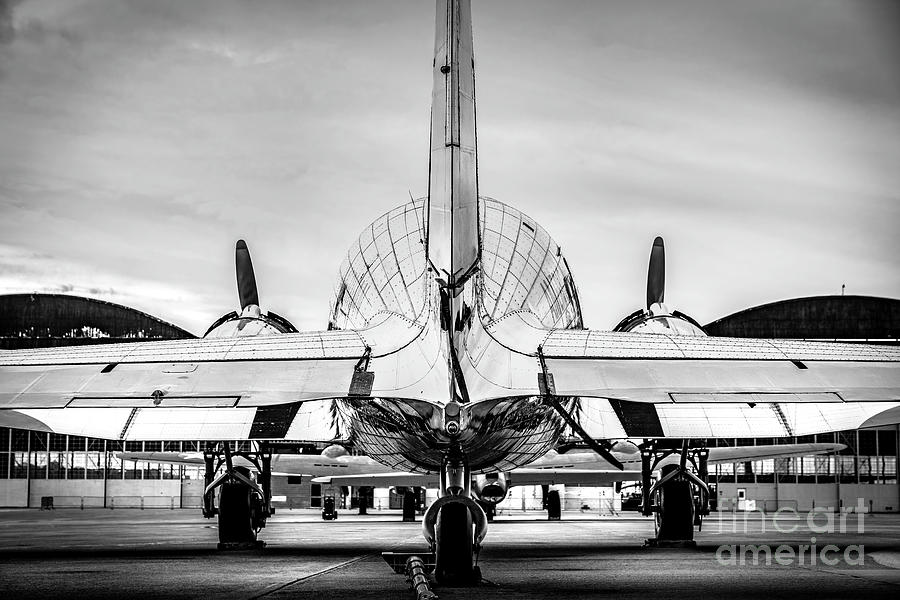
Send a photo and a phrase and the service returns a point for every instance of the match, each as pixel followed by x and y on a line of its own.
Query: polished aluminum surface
pixel 452 236
pixel 497 435
pixel 522 270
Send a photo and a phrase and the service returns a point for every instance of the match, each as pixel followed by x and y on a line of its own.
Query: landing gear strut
pixel 244 504
pixel 680 499
pixel 455 525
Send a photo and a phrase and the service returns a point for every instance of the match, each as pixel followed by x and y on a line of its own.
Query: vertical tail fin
pixel 453 247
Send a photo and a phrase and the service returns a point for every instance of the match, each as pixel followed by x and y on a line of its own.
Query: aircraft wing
pixel 656 385
pixel 282 464
pixel 398 479
pixel 557 476
pixel 261 387
pixel 203 373
pixel 663 369
pixel 605 475
pixel 164 458
pixel 227 388
pixel 523 476
pixel 744 453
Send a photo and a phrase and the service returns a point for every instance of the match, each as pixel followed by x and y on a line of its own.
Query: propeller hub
pixel 251 311
pixel 658 309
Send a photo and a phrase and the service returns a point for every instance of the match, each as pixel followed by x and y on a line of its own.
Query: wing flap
pixel 137 401
pixel 306 421
pixel 756 397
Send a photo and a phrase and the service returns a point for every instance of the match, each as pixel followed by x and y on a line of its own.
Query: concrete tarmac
pixel 98 553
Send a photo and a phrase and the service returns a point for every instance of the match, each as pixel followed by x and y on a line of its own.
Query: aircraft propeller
pixel 657 317
pixel 656 274
pixel 251 320
pixel 246 280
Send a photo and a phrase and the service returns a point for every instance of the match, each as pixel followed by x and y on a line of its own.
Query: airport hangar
pixel 86 472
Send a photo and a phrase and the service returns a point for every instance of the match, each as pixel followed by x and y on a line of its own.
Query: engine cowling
pixel 659 319
pixel 490 487
pixel 334 451
pixel 251 322
pixel 625 447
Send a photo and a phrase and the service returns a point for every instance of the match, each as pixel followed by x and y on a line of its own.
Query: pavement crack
pixel 299 580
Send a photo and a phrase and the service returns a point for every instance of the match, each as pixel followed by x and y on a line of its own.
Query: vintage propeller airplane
pixel 455 346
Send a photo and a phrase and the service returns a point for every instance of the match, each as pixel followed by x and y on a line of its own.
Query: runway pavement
pixel 171 554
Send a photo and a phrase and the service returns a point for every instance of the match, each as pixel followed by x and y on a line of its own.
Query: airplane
pixel 455 346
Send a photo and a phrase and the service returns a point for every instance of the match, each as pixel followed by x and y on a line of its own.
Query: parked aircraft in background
pixel 455 347
pixel 336 467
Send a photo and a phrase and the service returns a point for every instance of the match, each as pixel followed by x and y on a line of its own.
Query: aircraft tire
pixel 454 541
pixel 676 515
pixel 235 520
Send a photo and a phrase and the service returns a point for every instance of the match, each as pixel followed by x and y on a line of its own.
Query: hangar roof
pixel 40 320
pixel 816 317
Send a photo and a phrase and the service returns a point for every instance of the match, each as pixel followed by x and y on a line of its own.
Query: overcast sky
pixel 140 139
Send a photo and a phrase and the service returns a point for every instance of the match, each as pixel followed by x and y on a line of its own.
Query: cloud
pixel 29 29
pixel 7 30
pixel 760 139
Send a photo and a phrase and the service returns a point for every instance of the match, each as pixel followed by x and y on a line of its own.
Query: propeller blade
pixel 246 280
pixel 656 274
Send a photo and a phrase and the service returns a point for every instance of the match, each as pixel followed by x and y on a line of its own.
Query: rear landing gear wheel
pixel 235 516
pixel 675 519
pixel 454 547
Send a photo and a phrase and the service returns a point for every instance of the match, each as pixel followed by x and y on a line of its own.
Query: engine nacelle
pixel 490 487
pixel 624 447
pixel 251 322
pixel 334 451
pixel 659 319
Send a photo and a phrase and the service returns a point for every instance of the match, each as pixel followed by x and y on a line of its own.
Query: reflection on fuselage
pixel 521 269
pixel 499 435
